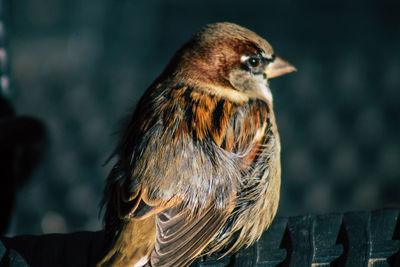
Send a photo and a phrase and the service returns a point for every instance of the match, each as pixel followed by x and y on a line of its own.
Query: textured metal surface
pixel 349 239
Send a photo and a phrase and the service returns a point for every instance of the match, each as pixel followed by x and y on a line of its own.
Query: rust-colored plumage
pixel 198 167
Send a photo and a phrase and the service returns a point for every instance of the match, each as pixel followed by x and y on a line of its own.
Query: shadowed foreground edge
pixel 341 239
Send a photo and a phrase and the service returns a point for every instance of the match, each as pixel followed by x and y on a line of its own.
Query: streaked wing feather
pixel 179 240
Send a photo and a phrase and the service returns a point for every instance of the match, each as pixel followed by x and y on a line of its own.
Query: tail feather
pixel 133 245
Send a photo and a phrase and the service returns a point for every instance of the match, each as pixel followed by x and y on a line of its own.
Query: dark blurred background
pixel 79 66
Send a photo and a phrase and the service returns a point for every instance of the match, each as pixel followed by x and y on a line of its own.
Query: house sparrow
pixel 198 165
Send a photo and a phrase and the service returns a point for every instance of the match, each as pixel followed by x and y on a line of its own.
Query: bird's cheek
pixel 239 80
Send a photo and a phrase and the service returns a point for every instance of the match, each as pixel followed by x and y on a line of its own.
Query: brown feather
pixel 141 233
pixel 198 164
pixel 180 237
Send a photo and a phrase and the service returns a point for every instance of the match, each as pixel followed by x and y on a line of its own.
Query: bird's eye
pixel 254 62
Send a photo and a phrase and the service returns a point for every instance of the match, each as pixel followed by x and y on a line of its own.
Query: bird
pixel 197 167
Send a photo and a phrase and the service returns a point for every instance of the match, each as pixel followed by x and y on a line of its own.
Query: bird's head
pixel 230 61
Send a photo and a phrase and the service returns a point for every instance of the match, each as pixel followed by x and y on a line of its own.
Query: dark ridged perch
pixel 349 239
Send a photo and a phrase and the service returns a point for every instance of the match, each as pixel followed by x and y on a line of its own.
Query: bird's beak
pixel 278 67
